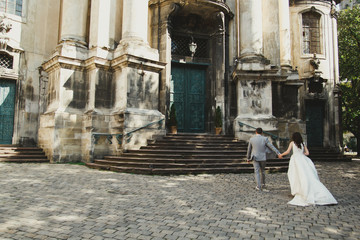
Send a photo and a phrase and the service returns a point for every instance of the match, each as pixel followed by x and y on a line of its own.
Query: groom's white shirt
pixel 258 147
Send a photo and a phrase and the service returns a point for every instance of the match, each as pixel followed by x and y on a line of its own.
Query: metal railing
pixel 120 137
pixel 273 136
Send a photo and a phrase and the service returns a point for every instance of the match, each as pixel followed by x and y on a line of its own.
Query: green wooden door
pixel 188 95
pixel 7 109
pixel 315 123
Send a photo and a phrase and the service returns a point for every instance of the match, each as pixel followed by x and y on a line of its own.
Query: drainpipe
pixel 158 46
pixel 226 76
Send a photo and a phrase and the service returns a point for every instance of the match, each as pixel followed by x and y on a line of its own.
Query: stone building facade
pixel 79 75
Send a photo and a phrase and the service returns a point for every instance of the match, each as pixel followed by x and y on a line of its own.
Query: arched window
pixel 11 6
pixel 6 60
pixel 311 32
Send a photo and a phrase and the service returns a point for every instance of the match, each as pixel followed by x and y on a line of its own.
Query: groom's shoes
pixel 263 189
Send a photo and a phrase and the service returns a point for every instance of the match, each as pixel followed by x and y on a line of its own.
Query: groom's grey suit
pixel 257 149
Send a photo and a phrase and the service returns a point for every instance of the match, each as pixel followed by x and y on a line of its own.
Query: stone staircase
pixel 18 154
pixel 186 154
pixel 320 154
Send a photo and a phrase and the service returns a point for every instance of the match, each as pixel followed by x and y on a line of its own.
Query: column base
pixel 60 136
pixel 72 49
pixel 253 62
pixel 136 48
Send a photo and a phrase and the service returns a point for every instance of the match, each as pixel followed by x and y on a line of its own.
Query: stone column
pixel 164 45
pixel 253 75
pixel 219 65
pixel 100 24
pixel 135 20
pixel 284 27
pixel 136 75
pixel 60 130
pixel 135 30
pixel 251 37
pixel 73 20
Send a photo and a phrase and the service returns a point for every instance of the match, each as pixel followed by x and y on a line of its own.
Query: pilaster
pixel 284 26
pixel 251 43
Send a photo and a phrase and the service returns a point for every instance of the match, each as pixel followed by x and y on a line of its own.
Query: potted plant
pixel 173 120
pixel 218 120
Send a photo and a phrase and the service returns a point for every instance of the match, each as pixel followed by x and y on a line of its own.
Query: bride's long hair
pixel 297 138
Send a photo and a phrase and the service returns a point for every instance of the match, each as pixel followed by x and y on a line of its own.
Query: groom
pixel 257 149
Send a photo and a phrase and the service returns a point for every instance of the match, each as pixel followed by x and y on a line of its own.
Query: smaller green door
pixel 315 123
pixel 7 110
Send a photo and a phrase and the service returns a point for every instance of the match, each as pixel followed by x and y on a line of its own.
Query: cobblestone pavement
pixel 63 201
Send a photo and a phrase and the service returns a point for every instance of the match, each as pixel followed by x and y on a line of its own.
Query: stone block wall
pixel 59 136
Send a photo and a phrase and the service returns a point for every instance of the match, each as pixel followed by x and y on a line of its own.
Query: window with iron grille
pixel 11 6
pixel 6 61
pixel 311 32
pixel 180 46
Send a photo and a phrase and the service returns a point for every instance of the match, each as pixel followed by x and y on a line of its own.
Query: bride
pixel 304 181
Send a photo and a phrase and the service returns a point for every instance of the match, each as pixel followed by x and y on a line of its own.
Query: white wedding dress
pixel 304 181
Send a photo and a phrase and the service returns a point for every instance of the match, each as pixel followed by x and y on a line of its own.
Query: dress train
pixel 304 181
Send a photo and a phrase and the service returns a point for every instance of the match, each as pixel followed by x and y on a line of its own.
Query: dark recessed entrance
pixel 315 123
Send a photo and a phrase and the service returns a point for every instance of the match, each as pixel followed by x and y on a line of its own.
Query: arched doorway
pixel 197 78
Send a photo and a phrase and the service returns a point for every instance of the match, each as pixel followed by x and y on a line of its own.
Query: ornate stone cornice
pixel 330 2
pixel 58 62
pixel 97 62
pixel 220 5
pixel 127 60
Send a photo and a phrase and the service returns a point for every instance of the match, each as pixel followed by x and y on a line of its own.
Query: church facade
pixel 88 78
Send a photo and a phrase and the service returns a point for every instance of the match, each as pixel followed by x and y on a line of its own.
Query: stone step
pixel 13 156
pixel 178 171
pixel 16 153
pixel 184 164
pixel 19 154
pixel 222 155
pixel 186 154
pixel 172 160
pixel 24 160
pixel 179 159
pixel 193 147
pixel 326 155
pixel 330 159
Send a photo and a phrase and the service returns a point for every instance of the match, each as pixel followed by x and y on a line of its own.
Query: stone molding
pixel 128 60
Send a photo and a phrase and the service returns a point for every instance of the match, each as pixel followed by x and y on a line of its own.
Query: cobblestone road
pixel 62 201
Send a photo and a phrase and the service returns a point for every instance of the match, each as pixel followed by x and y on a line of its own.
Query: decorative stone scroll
pixel 5 27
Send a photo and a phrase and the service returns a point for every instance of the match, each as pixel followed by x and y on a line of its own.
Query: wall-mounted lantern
pixel 192 47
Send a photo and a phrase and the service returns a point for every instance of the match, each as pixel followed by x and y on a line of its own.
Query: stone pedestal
pixel 136 76
pixel 254 99
pixel 60 135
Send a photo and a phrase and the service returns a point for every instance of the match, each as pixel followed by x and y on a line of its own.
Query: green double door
pixel 7 110
pixel 315 123
pixel 188 95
